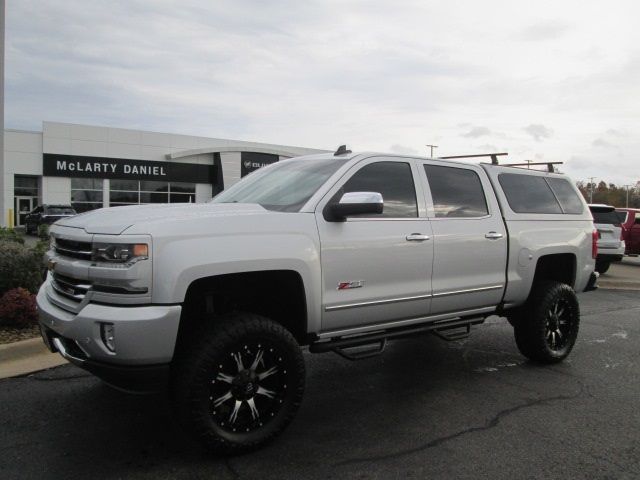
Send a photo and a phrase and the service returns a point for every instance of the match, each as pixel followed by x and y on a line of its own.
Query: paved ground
pixel 425 409
pixel 623 274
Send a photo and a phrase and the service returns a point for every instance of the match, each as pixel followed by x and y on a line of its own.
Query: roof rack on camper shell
pixel 494 161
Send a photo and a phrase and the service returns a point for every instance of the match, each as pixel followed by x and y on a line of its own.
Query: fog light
pixel 108 334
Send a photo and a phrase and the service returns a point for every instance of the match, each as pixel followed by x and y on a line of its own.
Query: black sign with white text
pixel 54 165
pixel 251 161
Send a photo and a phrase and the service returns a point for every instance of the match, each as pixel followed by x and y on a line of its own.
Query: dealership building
pixel 92 167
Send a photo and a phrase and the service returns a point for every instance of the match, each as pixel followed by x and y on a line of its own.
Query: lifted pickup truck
pixel 338 252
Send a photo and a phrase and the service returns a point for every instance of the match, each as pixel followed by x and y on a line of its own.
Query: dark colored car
pixel 630 222
pixel 46 215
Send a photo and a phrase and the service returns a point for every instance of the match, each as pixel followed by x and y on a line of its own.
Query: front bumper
pixel 145 338
pixel 132 379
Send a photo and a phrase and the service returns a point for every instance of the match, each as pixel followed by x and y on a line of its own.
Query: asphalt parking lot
pixel 425 409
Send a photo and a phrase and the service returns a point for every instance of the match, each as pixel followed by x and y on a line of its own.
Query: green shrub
pixel 18 309
pixel 19 267
pixel 43 231
pixel 10 235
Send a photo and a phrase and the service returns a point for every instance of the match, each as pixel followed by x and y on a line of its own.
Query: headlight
pixel 120 252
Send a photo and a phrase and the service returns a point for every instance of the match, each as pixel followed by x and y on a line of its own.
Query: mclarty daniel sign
pixel 55 165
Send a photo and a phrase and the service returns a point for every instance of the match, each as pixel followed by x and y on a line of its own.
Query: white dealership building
pixel 92 167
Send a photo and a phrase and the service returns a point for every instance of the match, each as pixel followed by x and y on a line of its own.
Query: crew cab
pixel 333 252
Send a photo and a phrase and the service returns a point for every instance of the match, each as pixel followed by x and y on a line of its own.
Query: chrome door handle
pixel 493 235
pixel 417 237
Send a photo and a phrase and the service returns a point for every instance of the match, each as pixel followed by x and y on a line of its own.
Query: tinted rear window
pixel 528 193
pixel 608 218
pixel 566 195
pixel 622 216
pixel 456 192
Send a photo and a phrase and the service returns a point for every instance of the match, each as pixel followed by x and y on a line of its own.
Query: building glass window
pixel 134 192
pixel 86 194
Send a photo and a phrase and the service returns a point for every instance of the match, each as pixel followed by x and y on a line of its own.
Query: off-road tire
pixel 198 368
pixel 547 328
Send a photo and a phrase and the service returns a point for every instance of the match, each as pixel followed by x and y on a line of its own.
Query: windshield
pixel 284 187
pixel 60 211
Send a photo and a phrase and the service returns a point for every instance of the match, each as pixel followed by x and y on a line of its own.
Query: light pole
pixel 432 147
pixel 627 187
pixel 591 189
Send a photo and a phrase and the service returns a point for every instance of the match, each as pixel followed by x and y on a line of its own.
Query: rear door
pixel 469 236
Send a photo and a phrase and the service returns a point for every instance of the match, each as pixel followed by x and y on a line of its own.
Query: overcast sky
pixel 543 80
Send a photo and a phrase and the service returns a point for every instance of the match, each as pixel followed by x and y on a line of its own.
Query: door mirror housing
pixel 356 203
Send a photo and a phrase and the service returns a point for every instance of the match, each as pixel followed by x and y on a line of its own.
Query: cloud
pixel 476 132
pixel 599 142
pixel 549 30
pixel 538 131
pixel 319 74
pixel 488 147
pixel 616 133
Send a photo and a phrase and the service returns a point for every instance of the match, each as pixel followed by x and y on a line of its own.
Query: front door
pixel 23 206
pixel 376 268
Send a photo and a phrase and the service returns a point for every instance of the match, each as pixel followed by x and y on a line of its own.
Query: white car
pixel 611 246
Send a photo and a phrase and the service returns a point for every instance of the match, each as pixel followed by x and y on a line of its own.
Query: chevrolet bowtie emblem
pixel 51 264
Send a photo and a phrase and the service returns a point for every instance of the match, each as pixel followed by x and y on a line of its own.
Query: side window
pixel 528 193
pixel 637 222
pixel 391 179
pixel 456 192
pixel 566 195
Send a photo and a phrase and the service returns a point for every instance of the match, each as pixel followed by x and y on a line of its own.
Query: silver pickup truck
pixel 336 252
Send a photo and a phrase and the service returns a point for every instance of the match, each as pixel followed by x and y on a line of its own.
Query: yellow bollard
pixel 10 218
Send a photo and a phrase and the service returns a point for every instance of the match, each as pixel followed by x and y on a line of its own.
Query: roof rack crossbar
pixel 549 165
pixel 494 156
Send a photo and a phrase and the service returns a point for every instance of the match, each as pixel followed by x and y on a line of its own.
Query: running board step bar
pixel 378 340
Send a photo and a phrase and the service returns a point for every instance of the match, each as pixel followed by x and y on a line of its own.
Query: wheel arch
pixel 275 294
pixel 560 267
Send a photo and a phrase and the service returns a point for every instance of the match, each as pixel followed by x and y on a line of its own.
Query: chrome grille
pixel 73 248
pixel 71 288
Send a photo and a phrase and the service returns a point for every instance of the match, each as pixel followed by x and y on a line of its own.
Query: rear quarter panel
pixel 534 235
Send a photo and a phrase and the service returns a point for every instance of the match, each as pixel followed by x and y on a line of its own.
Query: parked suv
pixel 337 252
pixel 611 244
pixel 46 215
pixel 630 222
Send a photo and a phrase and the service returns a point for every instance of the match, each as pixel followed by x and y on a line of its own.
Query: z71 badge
pixel 352 284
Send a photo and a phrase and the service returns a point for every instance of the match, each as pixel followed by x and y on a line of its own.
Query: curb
pixel 26 356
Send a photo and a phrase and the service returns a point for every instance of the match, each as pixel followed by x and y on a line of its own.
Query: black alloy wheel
pixel 547 328
pixel 248 388
pixel 240 385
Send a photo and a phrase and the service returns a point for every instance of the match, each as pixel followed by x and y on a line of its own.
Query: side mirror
pixel 356 203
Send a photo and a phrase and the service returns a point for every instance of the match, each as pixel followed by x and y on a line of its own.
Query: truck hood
pixel 114 221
